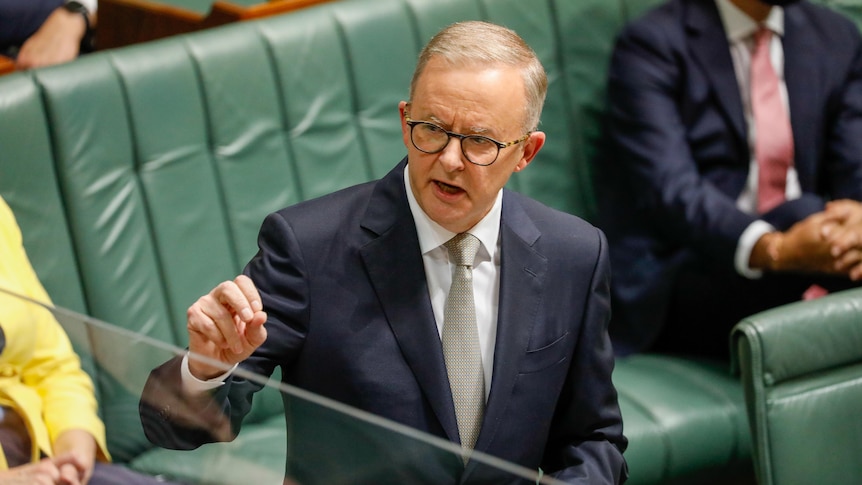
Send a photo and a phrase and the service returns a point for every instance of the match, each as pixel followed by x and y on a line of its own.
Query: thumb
pixel 255 331
pixel 70 474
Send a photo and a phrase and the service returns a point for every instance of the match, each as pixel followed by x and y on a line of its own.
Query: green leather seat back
pixel 635 8
pixel 560 174
pixel 250 161
pixel 28 183
pixel 100 184
pixel 379 38
pixel 201 7
pixel 801 367
pixel 586 30
pixel 316 103
pixel 94 147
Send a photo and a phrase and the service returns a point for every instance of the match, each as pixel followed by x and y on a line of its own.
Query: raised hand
pixel 226 325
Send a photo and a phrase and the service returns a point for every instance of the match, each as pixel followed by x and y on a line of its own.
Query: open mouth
pixel 448 189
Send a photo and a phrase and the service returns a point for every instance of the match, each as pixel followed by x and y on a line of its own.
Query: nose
pixel 452 158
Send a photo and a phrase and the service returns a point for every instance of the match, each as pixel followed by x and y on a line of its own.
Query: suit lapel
pixel 396 271
pixel 522 272
pixel 708 43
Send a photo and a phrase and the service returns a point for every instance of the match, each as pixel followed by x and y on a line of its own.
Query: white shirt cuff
pixel 92 5
pixel 193 385
pixel 746 243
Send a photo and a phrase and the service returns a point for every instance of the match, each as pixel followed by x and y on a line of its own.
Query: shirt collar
pixel 740 26
pixel 433 235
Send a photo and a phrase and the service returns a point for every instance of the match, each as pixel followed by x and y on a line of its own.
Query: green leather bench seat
pixel 140 177
pixel 685 421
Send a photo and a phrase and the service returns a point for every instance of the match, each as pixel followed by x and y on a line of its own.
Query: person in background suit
pixel 701 232
pixel 348 292
pixel 39 33
pixel 50 431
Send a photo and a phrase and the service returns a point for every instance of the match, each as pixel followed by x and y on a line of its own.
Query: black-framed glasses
pixel 477 149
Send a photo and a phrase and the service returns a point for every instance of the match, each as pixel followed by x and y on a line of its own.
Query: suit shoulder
pixel 318 220
pixel 656 35
pixel 554 223
pixel 663 20
pixel 829 23
pixel 332 205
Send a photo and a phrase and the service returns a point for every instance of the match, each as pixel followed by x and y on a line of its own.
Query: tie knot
pixel 462 248
pixel 762 38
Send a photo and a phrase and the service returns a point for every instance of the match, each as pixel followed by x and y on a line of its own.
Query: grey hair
pixel 482 43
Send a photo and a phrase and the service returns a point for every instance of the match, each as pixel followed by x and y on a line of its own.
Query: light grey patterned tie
pixel 461 341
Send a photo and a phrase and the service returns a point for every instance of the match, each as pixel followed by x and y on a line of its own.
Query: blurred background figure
pixel 40 33
pixel 50 430
pixel 732 124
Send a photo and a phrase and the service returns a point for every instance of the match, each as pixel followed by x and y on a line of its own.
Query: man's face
pixel 488 101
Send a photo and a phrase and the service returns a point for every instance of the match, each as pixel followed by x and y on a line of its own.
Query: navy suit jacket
pixel 678 156
pixel 343 284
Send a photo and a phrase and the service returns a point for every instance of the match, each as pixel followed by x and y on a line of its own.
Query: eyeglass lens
pixel 431 139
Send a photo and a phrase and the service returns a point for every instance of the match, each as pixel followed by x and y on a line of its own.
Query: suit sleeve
pixel 173 419
pixel 588 441
pixel 843 157
pixel 650 147
pixel 20 19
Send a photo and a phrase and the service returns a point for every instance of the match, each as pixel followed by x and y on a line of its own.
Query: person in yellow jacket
pixel 50 431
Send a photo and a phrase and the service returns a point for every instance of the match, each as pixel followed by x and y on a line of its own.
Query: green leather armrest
pixel 801 367
pixel 805 337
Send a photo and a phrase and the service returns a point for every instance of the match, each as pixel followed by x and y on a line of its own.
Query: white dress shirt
pixel 486 272
pixel 91 5
pixel 740 29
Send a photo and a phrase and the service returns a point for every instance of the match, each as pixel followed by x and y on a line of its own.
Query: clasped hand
pixel 226 325
pixel 827 242
pixel 63 469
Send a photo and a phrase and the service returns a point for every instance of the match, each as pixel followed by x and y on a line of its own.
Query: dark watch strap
pixel 78 7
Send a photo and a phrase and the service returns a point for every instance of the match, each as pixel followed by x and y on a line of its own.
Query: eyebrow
pixel 474 130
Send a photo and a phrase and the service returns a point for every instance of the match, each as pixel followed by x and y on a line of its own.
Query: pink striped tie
pixel 773 146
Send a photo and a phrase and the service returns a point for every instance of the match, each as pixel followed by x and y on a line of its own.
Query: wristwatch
pixel 78 7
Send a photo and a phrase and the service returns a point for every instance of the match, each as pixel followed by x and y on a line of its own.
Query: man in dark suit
pixel 39 33
pixel 352 288
pixel 693 250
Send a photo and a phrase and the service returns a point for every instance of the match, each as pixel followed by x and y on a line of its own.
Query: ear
pixel 405 130
pixel 532 145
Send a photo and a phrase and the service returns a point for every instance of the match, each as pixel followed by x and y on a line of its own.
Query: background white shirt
pixel 740 29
